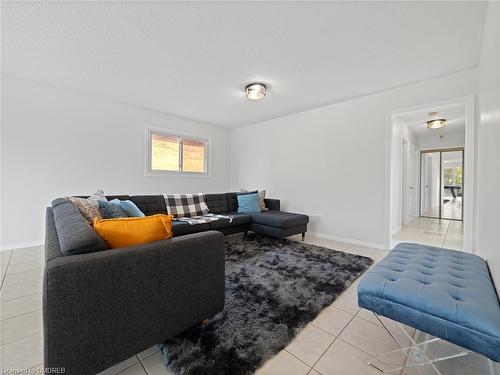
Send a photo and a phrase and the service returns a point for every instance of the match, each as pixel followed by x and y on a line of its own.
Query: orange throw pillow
pixel 129 231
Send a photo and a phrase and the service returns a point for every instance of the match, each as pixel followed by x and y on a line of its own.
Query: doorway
pixel 396 213
pixel 441 184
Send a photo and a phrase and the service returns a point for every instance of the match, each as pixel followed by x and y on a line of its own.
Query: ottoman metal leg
pixel 303 235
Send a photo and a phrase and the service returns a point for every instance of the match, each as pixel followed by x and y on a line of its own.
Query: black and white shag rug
pixel 273 289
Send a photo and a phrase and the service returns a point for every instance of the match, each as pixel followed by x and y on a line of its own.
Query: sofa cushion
pixel 217 203
pixel 74 233
pixel 446 293
pixel 279 219
pixel 132 231
pixel 150 204
pixel 180 228
pixel 238 219
pixel 232 202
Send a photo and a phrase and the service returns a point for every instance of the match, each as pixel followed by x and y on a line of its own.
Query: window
pixel 173 153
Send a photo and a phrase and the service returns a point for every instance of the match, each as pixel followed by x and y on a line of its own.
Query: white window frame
pixel 181 137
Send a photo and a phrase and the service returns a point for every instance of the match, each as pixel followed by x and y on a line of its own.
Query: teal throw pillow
pixel 248 203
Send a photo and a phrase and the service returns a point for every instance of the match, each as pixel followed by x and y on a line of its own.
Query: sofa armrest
pixel 272 204
pixel 101 308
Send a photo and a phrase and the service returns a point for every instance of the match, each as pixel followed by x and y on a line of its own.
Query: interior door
pixel 430 184
pixel 413 178
pixel 408 174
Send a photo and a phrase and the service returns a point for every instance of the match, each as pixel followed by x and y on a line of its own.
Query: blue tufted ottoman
pixel 445 293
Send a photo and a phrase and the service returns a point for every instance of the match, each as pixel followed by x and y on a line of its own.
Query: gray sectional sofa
pixel 102 306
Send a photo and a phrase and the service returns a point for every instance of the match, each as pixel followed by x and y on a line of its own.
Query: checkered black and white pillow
pixel 186 205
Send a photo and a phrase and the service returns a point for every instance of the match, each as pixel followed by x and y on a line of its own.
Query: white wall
pixel 400 132
pixel 56 143
pixel 329 162
pixel 488 210
pixel 449 140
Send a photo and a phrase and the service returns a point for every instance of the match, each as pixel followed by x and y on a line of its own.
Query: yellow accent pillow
pixel 129 231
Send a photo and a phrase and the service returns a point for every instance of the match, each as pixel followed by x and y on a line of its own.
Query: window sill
pixel 177 174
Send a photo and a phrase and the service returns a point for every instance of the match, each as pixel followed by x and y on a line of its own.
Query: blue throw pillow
pixel 248 203
pixel 131 209
pixel 111 209
pixel 247 192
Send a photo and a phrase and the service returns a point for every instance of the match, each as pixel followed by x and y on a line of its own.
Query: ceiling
pixel 454 115
pixel 193 58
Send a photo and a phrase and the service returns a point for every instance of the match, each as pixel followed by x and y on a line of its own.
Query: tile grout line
pixel 354 346
pixel 18 315
pixel 142 359
pixel 22 338
pixel 125 369
pixel 334 340
pixel 142 365
pixel 24 295
pixel 300 360
pixel 6 269
pixel 401 334
pixel 324 330
pixel 446 235
pixel 18 273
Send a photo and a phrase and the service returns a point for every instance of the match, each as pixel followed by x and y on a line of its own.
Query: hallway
pixel 434 232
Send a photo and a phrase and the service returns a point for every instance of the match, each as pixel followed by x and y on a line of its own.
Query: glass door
pixel 452 193
pixel 441 184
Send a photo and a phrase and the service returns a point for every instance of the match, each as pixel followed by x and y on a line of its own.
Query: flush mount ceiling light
pixel 255 91
pixel 435 123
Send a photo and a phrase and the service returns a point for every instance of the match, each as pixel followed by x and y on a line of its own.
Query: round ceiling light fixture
pixel 435 123
pixel 255 91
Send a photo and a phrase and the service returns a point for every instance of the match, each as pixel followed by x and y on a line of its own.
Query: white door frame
pixel 469 219
pixel 405 196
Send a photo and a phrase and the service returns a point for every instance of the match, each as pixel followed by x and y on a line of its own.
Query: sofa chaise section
pixel 279 224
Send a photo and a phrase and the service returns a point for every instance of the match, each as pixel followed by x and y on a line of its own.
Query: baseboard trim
pixel 20 245
pixel 348 240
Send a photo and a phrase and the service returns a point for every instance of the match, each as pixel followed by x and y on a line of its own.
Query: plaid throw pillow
pixel 186 205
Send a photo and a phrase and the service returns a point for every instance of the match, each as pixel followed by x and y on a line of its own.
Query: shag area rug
pixel 273 289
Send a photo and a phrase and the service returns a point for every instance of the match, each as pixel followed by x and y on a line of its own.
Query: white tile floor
pixel 451 209
pixel 337 342
pixel 435 232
